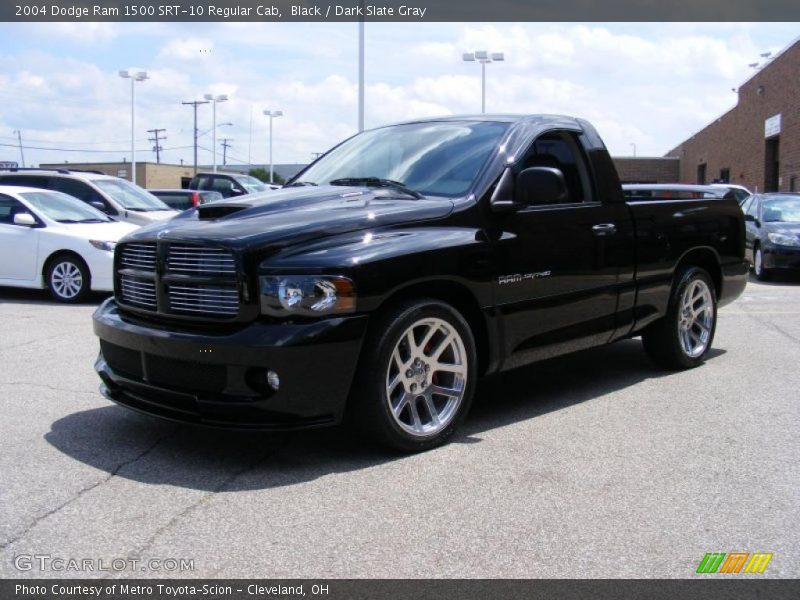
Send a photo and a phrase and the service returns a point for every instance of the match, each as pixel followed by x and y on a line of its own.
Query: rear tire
pixel 683 337
pixel 417 376
pixel 68 278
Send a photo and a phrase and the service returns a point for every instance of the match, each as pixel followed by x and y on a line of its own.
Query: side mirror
pixel 98 205
pixel 237 190
pixel 750 218
pixel 540 185
pixel 25 219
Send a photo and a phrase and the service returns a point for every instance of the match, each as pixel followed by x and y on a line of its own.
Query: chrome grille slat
pixel 138 292
pixel 139 256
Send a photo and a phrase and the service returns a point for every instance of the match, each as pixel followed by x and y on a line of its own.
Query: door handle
pixel 602 229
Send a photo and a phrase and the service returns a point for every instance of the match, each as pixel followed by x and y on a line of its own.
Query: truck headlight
pixel 781 239
pixel 306 295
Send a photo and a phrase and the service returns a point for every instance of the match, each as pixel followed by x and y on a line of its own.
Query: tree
pixel 263 175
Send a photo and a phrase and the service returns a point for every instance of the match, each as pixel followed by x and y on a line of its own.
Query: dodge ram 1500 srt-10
pixel 400 267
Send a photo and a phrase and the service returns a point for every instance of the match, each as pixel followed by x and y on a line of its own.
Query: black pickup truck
pixel 400 267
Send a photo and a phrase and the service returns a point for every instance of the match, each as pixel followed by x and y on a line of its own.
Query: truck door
pixel 557 285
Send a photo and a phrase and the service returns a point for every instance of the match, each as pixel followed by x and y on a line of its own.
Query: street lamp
pixel 483 57
pixel 633 145
pixel 214 100
pixel 271 114
pixel 134 77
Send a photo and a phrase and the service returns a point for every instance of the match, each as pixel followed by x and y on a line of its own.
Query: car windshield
pixel 435 158
pixel 63 208
pixel 782 210
pixel 251 184
pixel 130 196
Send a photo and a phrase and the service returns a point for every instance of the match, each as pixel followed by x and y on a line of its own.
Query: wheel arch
pixel 58 253
pixel 458 296
pixel 708 259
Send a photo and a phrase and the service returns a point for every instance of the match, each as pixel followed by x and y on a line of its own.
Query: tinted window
pixel 177 200
pixel 63 208
pixel 746 204
pixel 26 180
pixel 130 196
pixel 8 208
pixel 80 190
pixel 223 185
pixel 201 182
pixel 562 151
pixel 753 208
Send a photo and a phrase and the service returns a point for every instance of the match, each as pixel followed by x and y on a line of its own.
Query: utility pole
pixel 194 104
pixel 156 139
pixel 21 152
pixel 225 146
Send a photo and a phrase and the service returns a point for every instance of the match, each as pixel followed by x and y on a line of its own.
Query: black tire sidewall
pixel 85 282
pixel 373 403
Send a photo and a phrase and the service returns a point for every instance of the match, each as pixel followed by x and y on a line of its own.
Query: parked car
pixel 773 232
pixel 229 184
pixel 183 199
pixel 399 268
pixel 741 192
pixel 116 197
pixel 672 191
pixel 52 240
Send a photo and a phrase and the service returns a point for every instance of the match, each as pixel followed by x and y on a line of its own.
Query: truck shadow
pixel 152 451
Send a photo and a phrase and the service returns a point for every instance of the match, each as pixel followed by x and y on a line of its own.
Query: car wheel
pixel 416 377
pixel 68 278
pixel 682 339
pixel 760 272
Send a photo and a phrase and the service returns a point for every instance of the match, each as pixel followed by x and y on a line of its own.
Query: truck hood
pixel 294 215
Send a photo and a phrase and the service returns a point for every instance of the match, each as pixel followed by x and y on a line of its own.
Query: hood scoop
pixel 210 212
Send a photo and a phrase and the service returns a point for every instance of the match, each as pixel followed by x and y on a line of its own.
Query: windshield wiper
pixel 378 182
pixel 92 221
pixel 300 183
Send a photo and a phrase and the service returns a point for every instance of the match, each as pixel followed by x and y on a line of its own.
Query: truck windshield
pixel 435 158
pixel 129 196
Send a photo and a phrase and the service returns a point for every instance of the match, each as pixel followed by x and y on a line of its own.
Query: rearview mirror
pixel 540 185
pixel 25 219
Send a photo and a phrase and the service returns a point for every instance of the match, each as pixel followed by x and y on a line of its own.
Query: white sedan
pixel 51 240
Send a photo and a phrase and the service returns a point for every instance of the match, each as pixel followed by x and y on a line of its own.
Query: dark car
pixel 673 191
pixel 772 222
pixel 394 272
pixel 183 199
pixel 229 184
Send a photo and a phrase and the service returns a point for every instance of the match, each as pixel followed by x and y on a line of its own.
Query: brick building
pixel 756 143
pixel 647 169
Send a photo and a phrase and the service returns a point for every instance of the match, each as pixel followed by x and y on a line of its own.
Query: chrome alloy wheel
pixel 758 262
pixel 427 377
pixel 696 318
pixel 66 280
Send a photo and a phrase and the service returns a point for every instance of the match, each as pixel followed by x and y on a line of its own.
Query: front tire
pixel 683 337
pixel 67 278
pixel 761 273
pixel 417 376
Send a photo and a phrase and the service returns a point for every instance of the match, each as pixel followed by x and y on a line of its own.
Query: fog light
pixel 273 380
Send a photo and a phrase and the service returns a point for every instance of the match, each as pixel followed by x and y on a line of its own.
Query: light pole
pixel 633 145
pixel 134 77
pixel 483 57
pixel 214 100
pixel 271 114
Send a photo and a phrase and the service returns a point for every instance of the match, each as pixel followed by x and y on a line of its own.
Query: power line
pixel 156 139
pixel 89 151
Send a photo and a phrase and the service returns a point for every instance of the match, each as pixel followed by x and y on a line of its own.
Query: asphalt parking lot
pixel 593 465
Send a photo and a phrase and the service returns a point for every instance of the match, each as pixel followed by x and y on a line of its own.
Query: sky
pixel 648 85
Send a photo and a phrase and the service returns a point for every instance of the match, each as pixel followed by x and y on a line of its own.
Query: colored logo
pixel 734 562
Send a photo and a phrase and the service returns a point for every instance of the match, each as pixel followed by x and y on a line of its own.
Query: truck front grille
pixel 179 279
pixel 204 299
pixel 191 260
pixel 138 292
pixel 141 257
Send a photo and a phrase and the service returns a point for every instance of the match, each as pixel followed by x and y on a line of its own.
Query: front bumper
pixel 781 257
pixel 220 379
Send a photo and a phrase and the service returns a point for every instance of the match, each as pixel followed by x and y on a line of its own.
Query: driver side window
pixel 561 150
pixel 8 208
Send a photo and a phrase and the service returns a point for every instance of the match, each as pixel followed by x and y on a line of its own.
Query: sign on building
pixel 122 172
pixel 8 164
pixel 772 126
